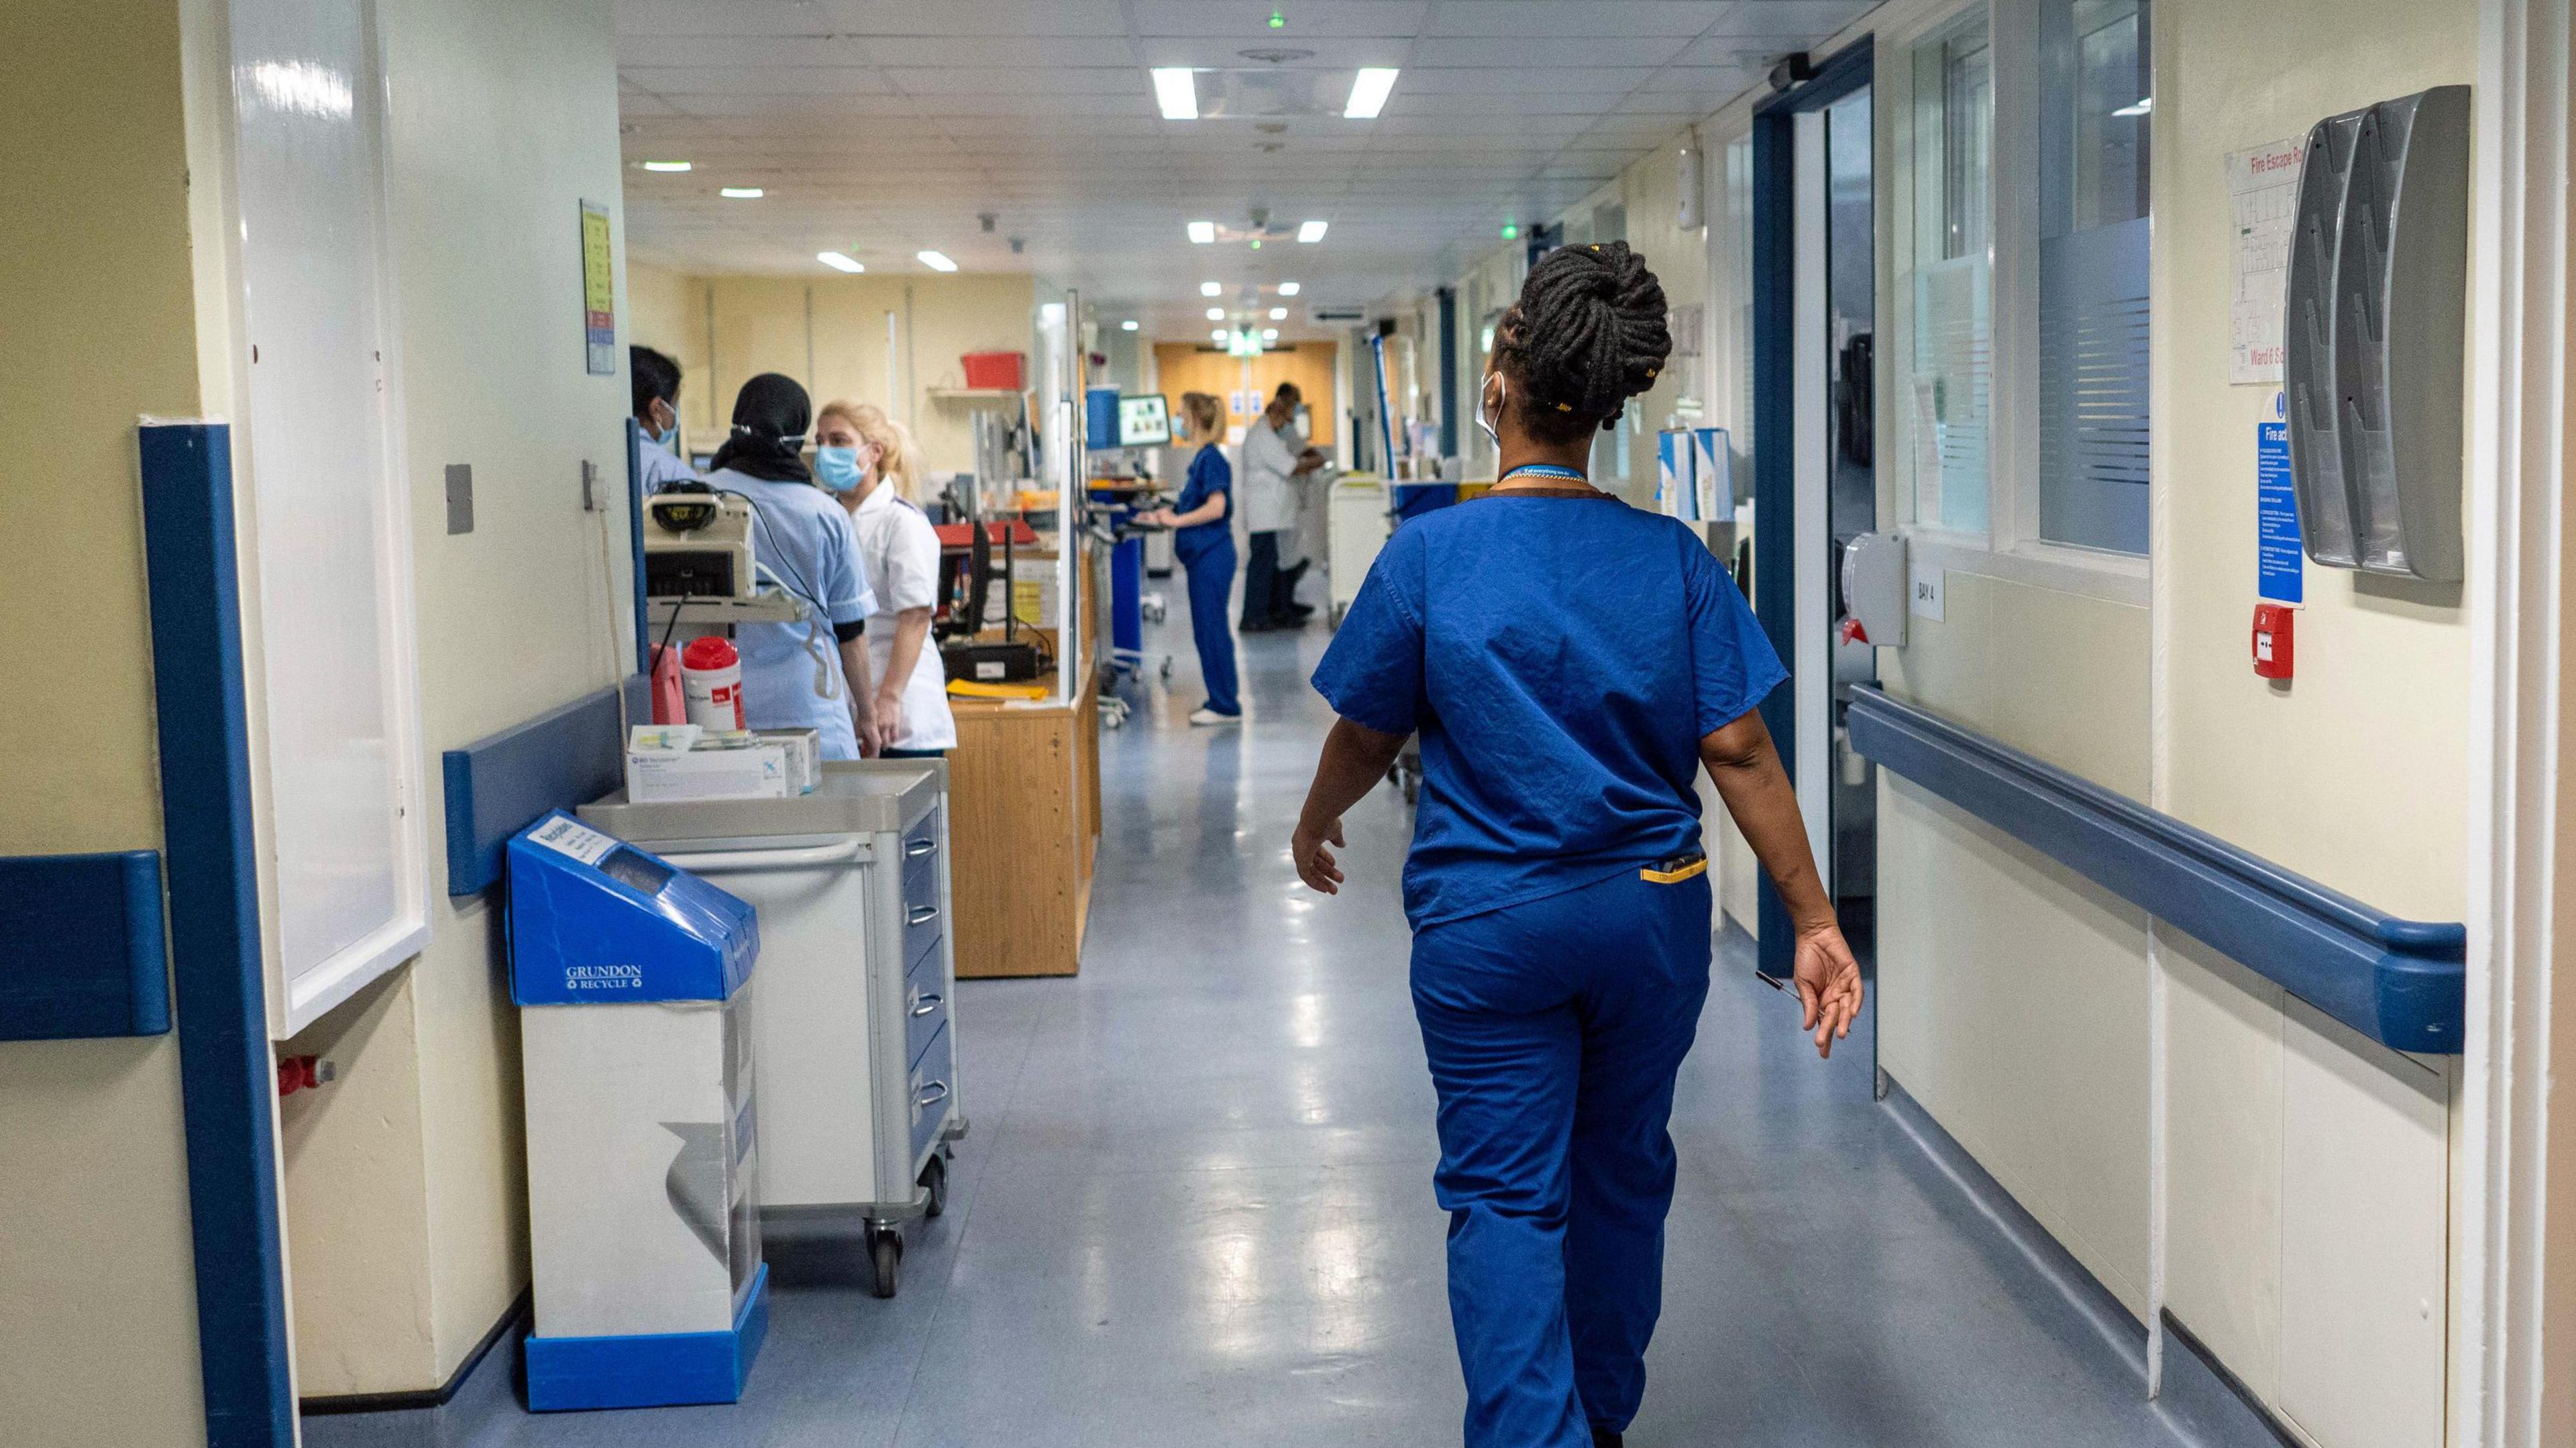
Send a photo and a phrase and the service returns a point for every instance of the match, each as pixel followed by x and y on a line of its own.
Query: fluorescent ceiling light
pixel 1216 314
pixel 1211 289
pixel 1127 326
pixel 666 165
pixel 838 262
pixel 1217 336
pixel 1203 232
pixel 1279 314
pixel 1270 334
pixel 1368 93
pixel 1287 289
pixel 1176 90
pixel 935 260
pixel 1311 231
pixel 2145 104
pixel 739 193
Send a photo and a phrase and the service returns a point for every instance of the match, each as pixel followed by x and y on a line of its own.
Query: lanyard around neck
pixel 1542 470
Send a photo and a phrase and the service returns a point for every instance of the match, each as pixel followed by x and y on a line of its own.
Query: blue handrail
pixel 2399 982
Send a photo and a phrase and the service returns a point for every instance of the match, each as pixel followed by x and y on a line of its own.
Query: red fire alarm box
pixel 2272 653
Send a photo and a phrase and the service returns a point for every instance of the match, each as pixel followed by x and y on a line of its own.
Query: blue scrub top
pixel 804 537
pixel 1561 658
pixel 1209 474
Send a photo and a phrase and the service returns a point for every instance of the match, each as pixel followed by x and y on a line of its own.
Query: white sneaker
pixel 1205 716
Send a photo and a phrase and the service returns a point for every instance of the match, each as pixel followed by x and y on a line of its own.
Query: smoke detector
pixel 1276 54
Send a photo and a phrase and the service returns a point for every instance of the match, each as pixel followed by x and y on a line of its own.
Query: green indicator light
pixel 1278 21
pixel 1511 231
pixel 1256 243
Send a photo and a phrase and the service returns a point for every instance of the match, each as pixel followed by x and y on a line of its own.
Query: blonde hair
pixel 1205 412
pixel 898 459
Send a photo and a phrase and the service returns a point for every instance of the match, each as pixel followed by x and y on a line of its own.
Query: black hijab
pixel 770 418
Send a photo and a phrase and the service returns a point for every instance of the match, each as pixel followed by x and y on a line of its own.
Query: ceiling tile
pixel 1228 54
pixel 1021 52
pixel 734 18
pixel 1678 19
pixel 978 17
pixel 1616 51
pixel 1125 80
pixel 811 80
pixel 1308 20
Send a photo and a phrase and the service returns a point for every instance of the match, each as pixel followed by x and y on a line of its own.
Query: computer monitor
pixel 1144 421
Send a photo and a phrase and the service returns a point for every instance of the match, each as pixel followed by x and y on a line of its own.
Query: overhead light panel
pixel 1127 326
pixel 1287 289
pixel 1270 334
pixel 1216 314
pixel 666 165
pixel 739 193
pixel 838 261
pixel 1176 90
pixel 1203 232
pixel 1217 336
pixel 935 260
pixel 1311 231
pixel 1279 314
pixel 1211 289
pixel 1369 90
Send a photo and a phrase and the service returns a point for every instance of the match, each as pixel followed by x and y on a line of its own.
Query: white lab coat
pixel 1269 502
pixel 900 552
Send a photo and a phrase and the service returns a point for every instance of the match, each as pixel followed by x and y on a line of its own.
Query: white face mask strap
pixel 1492 424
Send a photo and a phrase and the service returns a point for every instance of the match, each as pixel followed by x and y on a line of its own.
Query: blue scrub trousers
pixel 1211 573
pixel 1555 1029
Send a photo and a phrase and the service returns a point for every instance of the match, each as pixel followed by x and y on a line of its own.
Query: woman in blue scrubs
pixel 1571 664
pixel 813 673
pixel 1203 540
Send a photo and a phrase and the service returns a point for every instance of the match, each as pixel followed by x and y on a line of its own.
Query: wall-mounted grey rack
pixel 2372 326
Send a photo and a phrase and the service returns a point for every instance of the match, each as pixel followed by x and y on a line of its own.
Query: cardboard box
pixel 678 763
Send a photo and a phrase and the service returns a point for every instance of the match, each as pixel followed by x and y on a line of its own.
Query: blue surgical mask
pixel 668 439
pixel 837 468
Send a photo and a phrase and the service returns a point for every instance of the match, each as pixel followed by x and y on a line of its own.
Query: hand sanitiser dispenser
pixel 633 982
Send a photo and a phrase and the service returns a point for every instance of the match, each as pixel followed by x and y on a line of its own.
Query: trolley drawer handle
pixel 921 915
pixel 915 849
pixel 933 1094
pixel 925 1005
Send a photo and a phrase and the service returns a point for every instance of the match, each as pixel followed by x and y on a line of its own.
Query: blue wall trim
pixel 502 783
pixel 1775 477
pixel 650 1370
pixel 81 947
pixel 2400 982
pixel 227 1082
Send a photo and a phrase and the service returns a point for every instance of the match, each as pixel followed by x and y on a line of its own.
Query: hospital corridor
pixel 1502 723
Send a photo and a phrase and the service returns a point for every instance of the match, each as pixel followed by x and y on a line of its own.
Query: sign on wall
pixel 2262 196
pixel 2279 564
pixel 598 291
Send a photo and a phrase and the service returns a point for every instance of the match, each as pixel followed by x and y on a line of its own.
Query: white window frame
pixel 2011 549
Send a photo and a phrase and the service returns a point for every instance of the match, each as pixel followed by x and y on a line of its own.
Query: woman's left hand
pixel 1829 985
pixel 1315 864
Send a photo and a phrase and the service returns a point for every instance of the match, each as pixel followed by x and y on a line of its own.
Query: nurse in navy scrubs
pixel 1571 664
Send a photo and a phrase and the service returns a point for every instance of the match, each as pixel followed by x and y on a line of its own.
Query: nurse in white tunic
pixel 867 459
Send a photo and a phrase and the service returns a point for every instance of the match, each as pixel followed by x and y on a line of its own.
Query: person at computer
pixel 1203 542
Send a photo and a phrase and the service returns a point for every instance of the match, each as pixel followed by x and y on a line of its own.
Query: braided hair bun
pixel 1588 333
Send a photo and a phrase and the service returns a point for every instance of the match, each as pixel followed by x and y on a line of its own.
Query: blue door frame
pixel 1775 463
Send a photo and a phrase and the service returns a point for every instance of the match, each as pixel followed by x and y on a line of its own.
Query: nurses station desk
pixel 1024 810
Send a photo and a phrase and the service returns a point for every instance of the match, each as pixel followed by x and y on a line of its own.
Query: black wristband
pixel 848 631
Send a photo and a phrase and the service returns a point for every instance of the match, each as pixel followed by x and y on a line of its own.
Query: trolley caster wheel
pixel 885 1253
pixel 1167 671
pixel 934 1181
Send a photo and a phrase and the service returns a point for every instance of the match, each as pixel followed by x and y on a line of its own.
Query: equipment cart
pixel 854 1025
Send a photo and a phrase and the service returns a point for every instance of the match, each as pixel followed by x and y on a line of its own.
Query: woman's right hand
pixel 1315 864
pixel 1829 985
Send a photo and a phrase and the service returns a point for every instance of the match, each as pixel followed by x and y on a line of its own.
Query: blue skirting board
pixel 650 1370
pixel 502 783
pixel 81 947
pixel 227 1086
pixel 2402 983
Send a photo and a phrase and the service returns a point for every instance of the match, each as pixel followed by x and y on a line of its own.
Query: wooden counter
pixel 1024 810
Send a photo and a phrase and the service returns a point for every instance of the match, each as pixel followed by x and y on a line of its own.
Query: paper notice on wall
pixel 2263 198
pixel 2280 565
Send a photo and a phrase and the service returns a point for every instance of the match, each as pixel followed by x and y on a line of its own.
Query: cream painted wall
pixel 2308 1170
pixel 98 1328
pixel 405 1180
pixel 829 333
